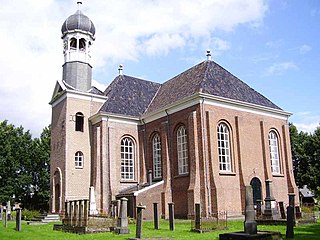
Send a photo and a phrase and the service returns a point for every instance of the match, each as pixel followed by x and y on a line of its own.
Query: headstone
pixel 155 216
pixel 250 225
pixel 93 206
pixel 171 216
pixel 139 221
pixel 1 212
pixel 282 211
pixel 86 212
pixel 8 211
pixel 122 224
pixel 5 218
pixel 80 216
pixel 66 213
pixel 18 220
pixel 258 209
pixel 290 217
pixel 290 222
pixel 269 198
pixel 198 216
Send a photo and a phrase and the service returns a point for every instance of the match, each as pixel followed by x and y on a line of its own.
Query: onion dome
pixel 78 21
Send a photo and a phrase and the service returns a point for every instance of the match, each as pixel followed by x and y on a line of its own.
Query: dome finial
pixel 120 69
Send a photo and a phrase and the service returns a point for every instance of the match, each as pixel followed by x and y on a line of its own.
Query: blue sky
pixel 272 45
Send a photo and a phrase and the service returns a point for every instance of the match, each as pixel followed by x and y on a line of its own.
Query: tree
pixel 24 166
pixel 306 157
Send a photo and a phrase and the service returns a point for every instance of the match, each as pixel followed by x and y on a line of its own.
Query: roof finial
pixel 208 55
pixel 79 3
pixel 120 69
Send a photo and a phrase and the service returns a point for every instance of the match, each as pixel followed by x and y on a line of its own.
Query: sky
pixel 272 45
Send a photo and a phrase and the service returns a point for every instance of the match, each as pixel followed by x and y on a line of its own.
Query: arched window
pixel 82 44
pixel 182 149
pixel 73 43
pixel 78 159
pixel 274 152
pixel 224 149
pixel 79 122
pixel 156 150
pixel 127 159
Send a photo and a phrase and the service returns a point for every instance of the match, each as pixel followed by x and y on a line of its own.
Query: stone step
pixel 51 218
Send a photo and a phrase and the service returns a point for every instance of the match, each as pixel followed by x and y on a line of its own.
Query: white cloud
pixel 304 49
pixel 309 128
pixel 306 121
pixel 31 53
pixel 275 44
pixel 280 68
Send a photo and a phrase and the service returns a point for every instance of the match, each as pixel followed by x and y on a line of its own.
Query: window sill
pixel 182 175
pixel 128 181
pixel 227 173
pixel 277 175
pixel 79 168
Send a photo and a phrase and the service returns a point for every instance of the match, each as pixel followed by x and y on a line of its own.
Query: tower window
pixel 78 159
pixel 79 122
pixel 182 149
pixel 82 44
pixel 73 43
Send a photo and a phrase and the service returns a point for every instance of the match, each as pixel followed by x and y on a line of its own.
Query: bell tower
pixel 78 35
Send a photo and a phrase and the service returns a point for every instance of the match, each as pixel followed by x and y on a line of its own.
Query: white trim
pixel 68 93
pixel 114 118
pixel 216 101
pixel 148 188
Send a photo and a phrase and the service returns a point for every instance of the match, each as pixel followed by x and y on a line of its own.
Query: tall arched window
pixel 73 43
pixel 274 152
pixel 127 159
pixel 156 150
pixel 82 44
pixel 79 122
pixel 78 159
pixel 224 149
pixel 182 148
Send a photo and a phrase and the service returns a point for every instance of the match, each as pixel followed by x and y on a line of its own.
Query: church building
pixel 199 137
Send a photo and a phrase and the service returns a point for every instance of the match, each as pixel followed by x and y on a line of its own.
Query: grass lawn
pixel 182 231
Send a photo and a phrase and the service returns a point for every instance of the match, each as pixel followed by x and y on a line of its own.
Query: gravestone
pixel 139 221
pixel 122 224
pixel 5 218
pixel 171 216
pixel 197 217
pixel 282 212
pixel 93 206
pixel 268 200
pixel 290 217
pixel 18 220
pixel 250 225
pixel 1 212
pixel 155 216
pixel 258 209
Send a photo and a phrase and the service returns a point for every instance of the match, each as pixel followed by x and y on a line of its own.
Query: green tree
pixel 24 166
pixel 306 157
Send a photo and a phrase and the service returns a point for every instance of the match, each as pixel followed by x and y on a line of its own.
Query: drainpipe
pixel 204 141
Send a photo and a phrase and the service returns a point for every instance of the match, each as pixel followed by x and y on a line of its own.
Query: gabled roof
pixel 129 96
pixel 210 78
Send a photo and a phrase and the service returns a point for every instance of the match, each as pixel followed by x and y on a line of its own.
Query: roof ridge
pixel 204 75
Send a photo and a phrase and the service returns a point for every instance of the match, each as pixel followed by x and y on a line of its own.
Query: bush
pixel 30 214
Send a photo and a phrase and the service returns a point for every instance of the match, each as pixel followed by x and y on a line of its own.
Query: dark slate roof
pixel 129 96
pixel 96 91
pixel 207 77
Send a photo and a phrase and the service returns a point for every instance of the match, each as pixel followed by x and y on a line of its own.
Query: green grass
pixel 182 231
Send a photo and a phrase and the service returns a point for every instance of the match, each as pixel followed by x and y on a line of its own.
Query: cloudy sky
pixel 271 45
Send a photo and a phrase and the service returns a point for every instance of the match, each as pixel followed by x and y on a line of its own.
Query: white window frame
pixel 274 152
pixel 224 148
pixel 156 150
pixel 78 159
pixel 182 149
pixel 127 159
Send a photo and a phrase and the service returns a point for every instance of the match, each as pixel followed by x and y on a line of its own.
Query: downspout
pixel 109 163
pixel 204 142
pixel 169 151
pixel 144 149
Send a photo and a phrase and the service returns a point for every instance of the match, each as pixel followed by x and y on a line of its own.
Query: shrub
pixel 30 214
